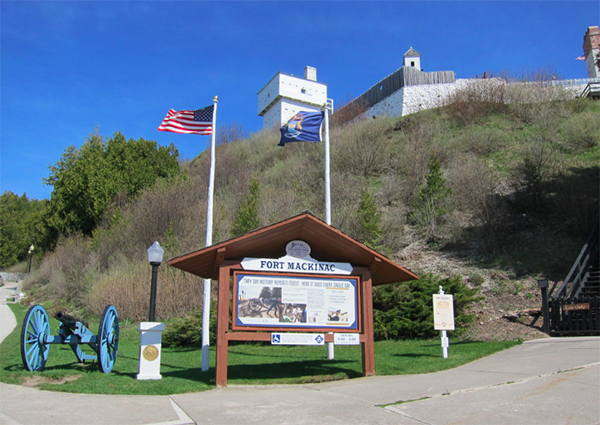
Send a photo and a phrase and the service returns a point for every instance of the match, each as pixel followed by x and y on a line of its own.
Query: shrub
pixel 187 331
pixel 152 216
pixel 421 139
pixel 363 147
pixel 581 132
pixel 68 272
pixel 475 191
pixel 405 310
pixel 477 279
pixel 369 220
pixel 477 101
pixel 483 140
pixel 247 215
pixel 229 133
pixel 127 287
pixel 346 189
pixel 539 164
pixel 432 205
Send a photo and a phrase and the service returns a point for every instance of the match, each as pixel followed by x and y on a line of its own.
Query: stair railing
pixel 579 272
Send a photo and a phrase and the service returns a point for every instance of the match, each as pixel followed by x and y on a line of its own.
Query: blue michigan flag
pixel 302 127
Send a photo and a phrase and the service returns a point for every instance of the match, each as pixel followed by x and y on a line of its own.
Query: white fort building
pixel 406 91
pixel 286 95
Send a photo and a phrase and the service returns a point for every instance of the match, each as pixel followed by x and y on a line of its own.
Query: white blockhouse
pixel 412 58
pixel 286 95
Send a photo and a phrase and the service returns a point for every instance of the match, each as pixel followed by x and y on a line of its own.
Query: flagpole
pixel 330 346
pixel 209 228
pixel 327 167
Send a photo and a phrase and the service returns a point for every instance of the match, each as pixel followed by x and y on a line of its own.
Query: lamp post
pixel 151 332
pixel 155 257
pixel 30 252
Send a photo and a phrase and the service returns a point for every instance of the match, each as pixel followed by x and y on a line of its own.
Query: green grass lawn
pixel 247 364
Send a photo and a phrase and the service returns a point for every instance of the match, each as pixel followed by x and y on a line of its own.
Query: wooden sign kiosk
pixel 222 260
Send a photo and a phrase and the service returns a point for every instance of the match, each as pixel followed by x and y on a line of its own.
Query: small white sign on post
pixel 443 317
pixel 297 339
pixel 443 312
pixel 346 339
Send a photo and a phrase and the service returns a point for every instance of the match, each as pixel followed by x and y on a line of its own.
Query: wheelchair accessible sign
pixel 297 339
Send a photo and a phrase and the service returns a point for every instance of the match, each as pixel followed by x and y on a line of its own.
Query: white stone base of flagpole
pixel 150 348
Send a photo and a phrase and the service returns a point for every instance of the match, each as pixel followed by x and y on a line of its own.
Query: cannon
pixel 36 338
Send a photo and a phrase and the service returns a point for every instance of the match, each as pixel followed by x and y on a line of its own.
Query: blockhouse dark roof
pixel 326 242
pixel 412 53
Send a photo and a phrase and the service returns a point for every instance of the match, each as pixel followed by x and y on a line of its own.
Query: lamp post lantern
pixel 30 252
pixel 155 257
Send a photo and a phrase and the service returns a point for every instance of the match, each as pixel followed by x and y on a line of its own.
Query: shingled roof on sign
pixel 326 242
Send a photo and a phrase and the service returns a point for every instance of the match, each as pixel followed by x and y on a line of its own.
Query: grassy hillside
pixel 521 177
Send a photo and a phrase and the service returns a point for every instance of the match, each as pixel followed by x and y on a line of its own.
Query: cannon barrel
pixel 68 320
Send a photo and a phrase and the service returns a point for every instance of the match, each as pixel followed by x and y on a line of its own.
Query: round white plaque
pixel 298 249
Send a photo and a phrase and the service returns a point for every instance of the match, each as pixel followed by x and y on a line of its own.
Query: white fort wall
pixel 411 99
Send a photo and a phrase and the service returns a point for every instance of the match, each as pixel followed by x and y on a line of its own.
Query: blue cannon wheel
pixel 108 338
pixel 35 330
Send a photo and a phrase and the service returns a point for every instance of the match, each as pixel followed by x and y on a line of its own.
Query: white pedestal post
pixel 445 344
pixel 150 348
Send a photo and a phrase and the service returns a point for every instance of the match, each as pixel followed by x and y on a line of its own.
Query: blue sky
pixel 69 67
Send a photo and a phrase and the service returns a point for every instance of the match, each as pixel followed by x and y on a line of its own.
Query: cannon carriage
pixel 36 338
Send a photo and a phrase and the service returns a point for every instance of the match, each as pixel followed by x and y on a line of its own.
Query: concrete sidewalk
pixel 547 381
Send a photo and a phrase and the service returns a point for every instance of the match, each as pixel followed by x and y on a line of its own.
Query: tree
pixel 369 219
pixel 229 133
pixel 85 181
pixel 21 221
pixel 405 310
pixel 247 215
pixel 433 204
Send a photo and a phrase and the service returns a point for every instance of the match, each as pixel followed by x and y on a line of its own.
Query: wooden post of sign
pixel 222 327
pixel 368 346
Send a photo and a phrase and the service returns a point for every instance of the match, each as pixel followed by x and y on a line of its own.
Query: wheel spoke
pixel 32 349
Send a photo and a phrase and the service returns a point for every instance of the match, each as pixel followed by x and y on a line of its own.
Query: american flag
pixel 190 122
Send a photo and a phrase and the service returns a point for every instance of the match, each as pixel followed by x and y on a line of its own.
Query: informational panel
pixel 307 302
pixel 443 312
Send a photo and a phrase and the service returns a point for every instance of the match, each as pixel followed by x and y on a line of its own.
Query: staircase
pixel 591 286
pixel 574 308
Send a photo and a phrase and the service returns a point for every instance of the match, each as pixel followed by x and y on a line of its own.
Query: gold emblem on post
pixel 150 353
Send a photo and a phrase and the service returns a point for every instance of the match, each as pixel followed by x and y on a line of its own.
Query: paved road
pixel 547 381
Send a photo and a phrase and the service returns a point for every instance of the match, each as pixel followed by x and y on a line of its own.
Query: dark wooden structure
pixel 219 261
pixel 573 308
